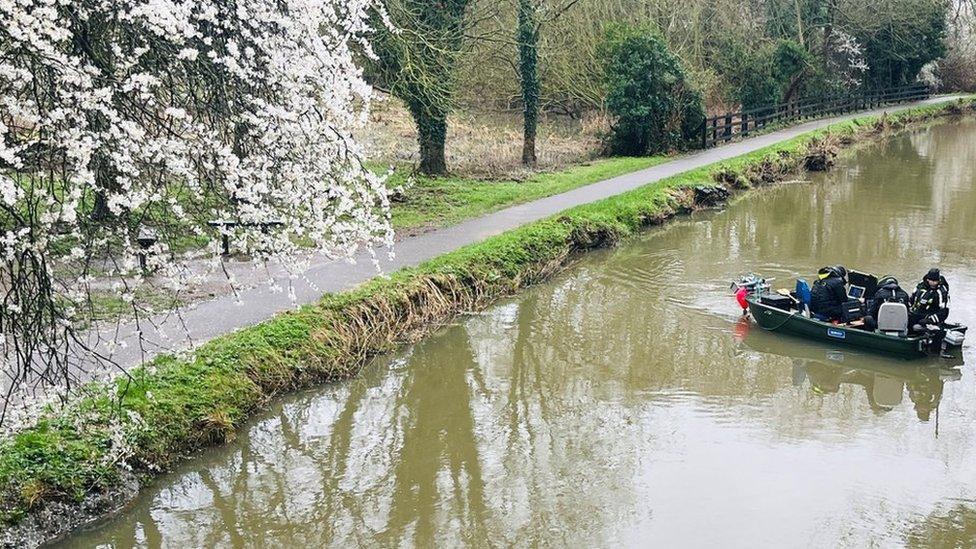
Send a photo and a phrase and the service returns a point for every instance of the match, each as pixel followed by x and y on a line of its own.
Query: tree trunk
pixel 101 211
pixel 528 143
pixel 799 23
pixel 528 40
pixel 84 41
pixel 795 82
pixel 828 31
pixel 105 178
pixel 431 134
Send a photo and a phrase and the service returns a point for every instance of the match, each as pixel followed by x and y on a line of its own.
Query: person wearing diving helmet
pixel 829 293
pixel 888 292
pixel 929 304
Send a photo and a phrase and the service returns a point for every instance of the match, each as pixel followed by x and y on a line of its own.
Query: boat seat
pixel 893 319
pixel 803 294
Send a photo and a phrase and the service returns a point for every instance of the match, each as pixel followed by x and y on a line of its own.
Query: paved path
pixel 224 314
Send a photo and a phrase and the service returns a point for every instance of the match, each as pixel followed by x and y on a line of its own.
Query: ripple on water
pixel 651 270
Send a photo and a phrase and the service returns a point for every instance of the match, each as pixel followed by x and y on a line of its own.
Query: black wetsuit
pixel 929 305
pixel 889 293
pixel 827 298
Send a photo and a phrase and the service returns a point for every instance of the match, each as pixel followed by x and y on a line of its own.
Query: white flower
pixel 175 112
pixel 189 54
pixel 10 193
pixel 139 134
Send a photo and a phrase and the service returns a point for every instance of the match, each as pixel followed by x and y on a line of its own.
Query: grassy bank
pixel 440 201
pixel 147 423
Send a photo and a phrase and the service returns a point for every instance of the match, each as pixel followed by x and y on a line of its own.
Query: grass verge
pixel 440 201
pixel 165 411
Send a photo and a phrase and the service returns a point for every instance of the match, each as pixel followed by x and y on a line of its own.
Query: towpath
pixel 221 315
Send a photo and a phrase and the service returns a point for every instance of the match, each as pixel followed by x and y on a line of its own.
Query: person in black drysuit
pixel 929 304
pixel 829 293
pixel 888 292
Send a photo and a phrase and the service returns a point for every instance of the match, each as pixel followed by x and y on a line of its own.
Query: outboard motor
pixel 752 282
pixel 954 337
pixel 748 284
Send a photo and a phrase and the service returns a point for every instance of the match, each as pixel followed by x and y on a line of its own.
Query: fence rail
pixel 722 128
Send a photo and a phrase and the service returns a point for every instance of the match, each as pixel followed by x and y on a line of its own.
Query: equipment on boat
pixel 776 300
pixel 753 283
pixel 748 284
pixel 853 310
pixel 954 335
pixel 789 312
pixel 862 285
pixel 804 295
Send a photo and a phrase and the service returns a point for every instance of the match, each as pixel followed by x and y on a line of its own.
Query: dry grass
pixel 381 323
pixel 486 144
pixel 822 153
pixel 218 427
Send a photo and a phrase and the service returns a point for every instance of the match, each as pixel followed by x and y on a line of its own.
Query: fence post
pixel 745 124
pixel 727 132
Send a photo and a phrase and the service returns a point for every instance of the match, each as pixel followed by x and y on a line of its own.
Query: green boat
pixel 793 322
pixel 783 312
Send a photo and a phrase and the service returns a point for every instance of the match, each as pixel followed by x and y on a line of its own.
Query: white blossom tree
pixel 119 117
pixel 844 58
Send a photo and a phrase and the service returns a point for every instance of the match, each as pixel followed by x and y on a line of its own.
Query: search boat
pixel 785 312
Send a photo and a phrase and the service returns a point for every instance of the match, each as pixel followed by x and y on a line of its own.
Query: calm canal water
pixel 626 402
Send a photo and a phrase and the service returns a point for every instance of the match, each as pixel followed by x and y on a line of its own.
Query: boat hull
pixel 791 322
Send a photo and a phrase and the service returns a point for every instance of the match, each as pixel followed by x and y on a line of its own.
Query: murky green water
pixel 626 402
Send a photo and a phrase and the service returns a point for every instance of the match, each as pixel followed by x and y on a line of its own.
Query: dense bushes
pixel 848 44
pixel 648 93
pixel 957 70
pixel 768 75
pixel 897 43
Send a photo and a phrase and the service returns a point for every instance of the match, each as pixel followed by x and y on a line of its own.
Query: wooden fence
pixel 719 129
